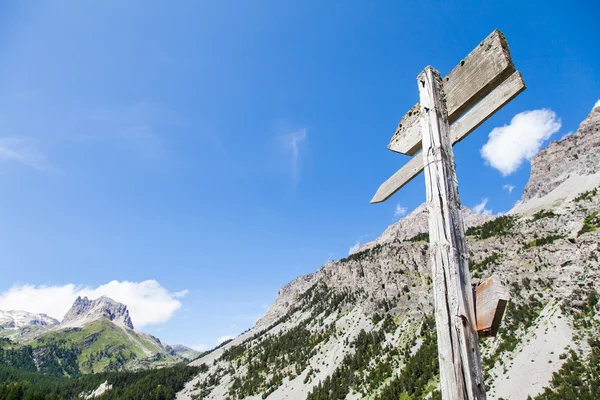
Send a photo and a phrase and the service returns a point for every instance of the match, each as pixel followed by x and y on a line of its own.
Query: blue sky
pixel 224 148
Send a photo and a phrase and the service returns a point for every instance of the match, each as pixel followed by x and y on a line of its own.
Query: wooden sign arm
pixel 477 115
pixel 488 65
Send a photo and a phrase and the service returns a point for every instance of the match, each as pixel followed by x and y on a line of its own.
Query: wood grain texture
pixel 502 95
pixel 491 298
pixel 488 65
pixel 412 168
pixel 477 115
pixel 461 376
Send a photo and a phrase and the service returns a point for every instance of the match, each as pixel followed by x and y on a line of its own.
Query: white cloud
pixel 400 211
pixel 199 347
pixel 292 142
pixel 23 150
pixel 148 302
pixel 597 104
pixel 509 145
pixel 480 208
pixel 509 188
pixel 224 338
pixel 354 248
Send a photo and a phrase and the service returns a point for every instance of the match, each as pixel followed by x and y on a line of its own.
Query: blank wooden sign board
pixel 450 109
pixel 491 298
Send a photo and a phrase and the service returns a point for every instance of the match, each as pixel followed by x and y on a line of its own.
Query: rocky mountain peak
pixel 85 310
pixel 566 167
pixel 20 319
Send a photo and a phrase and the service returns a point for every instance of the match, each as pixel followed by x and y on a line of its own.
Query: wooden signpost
pixel 450 109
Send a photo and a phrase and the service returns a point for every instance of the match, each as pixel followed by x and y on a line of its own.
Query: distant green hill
pixel 99 346
pixel 104 346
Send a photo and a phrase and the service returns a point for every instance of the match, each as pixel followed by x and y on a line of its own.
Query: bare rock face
pixel 369 268
pixel 85 310
pixel 418 222
pixel 577 154
pixel 286 298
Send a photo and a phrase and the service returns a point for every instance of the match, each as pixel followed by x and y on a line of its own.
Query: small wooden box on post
pixel 450 109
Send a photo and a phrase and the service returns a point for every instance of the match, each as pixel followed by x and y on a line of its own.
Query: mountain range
pixel 362 326
pixel 93 336
pixel 20 319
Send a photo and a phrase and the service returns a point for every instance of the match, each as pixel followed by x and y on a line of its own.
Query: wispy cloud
pixel 148 301
pixel 400 211
pixel 199 347
pixel 509 145
pixel 24 151
pixel 509 188
pixel 597 104
pixel 292 143
pixel 480 208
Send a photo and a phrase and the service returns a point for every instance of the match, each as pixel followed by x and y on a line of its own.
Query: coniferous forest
pixel 153 384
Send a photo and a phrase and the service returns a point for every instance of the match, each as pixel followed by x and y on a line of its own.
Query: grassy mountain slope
pixel 98 346
pixel 105 346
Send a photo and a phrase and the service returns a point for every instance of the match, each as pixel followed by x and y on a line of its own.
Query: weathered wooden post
pixel 461 376
pixel 474 90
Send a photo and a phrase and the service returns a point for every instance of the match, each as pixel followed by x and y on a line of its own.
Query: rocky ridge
pixel 20 319
pixel 566 167
pixel 84 311
pixel 361 326
pixel 417 222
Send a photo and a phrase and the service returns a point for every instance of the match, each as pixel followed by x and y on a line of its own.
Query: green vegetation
pixel 389 325
pixel 582 306
pixel 55 359
pixel 154 384
pixel 578 379
pixel 269 358
pixel 543 241
pixel 579 376
pixel 362 255
pixel 352 372
pixel 372 363
pixel 276 356
pixel 414 380
pixel 420 237
pixel 13 355
pixel 99 346
pixel 519 316
pixel 478 267
pixel 590 223
pixel 500 226
pixel 543 214
pixel 587 195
